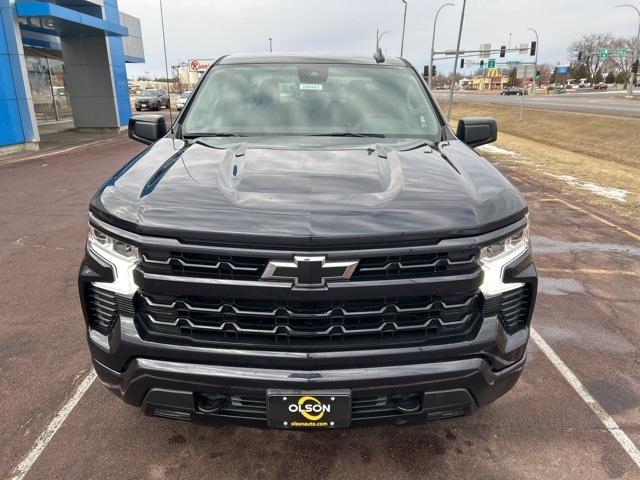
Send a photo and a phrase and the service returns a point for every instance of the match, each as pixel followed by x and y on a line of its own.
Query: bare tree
pixel 623 63
pixel 590 46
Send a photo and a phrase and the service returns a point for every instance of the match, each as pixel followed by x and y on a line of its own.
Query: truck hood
pixel 263 195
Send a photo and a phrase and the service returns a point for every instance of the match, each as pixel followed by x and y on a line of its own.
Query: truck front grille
pixel 235 267
pixel 307 324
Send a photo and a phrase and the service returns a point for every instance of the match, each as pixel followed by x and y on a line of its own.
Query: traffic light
pixel 579 56
pixel 481 63
pixel 425 71
pixel 634 66
pixel 533 48
pixel 503 51
pixel 433 70
pixel 462 63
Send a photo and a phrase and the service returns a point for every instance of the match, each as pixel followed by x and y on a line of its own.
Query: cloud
pixel 208 29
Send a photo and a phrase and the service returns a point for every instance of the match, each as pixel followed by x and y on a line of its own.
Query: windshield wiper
pixel 213 134
pixel 349 134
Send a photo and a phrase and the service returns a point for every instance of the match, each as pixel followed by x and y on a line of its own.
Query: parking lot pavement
pixel 586 312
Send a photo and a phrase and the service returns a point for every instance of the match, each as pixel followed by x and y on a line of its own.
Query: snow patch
pixel 612 193
pixel 498 150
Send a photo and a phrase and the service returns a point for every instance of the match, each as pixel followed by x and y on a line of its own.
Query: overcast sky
pixel 210 28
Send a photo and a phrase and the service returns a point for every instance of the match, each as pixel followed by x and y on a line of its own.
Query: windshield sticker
pixel 310 86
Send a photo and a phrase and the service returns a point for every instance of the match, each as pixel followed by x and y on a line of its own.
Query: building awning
pixel 69 23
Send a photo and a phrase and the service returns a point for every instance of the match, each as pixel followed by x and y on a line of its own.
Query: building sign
pixel 199 65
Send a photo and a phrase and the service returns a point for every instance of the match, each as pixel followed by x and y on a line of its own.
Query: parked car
pixel 182 99
pixel 268 262
pixel 600 86
pixel 152 99
pixel 514 91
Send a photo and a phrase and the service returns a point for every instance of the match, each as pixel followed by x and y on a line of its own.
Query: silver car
pixel 182 99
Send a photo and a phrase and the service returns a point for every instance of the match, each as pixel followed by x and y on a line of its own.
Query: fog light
pixel 406 403
pixel 209 403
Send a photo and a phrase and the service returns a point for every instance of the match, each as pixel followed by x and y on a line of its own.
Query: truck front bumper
pixel 173 389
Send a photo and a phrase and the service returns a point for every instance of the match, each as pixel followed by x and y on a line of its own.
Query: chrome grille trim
pixel 199 265
pixel 385 309
pixel 333 329
pixel 402 266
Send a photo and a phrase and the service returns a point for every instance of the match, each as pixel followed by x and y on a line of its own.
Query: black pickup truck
pixel 308 246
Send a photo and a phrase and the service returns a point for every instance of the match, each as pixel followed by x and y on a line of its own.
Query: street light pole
pixel 635 49
pixel 433 39
pixel 404 24
pixel 455 65
pixel 270 45
pixel 535 66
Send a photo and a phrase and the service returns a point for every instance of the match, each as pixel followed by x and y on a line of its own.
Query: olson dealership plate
pixel 296 409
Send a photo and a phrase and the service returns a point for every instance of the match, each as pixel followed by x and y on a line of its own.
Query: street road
pixel 583 102
pixel 587 313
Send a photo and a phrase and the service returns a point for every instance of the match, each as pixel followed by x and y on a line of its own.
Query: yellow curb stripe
pixel 595 217
pixel 589 271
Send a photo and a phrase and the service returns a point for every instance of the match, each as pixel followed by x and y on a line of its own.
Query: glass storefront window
pixel 46 79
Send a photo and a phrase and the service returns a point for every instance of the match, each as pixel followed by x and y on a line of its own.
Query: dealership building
pixel 63 61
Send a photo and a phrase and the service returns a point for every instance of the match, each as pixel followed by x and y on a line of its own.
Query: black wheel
pixel 138 109
pixel 156 107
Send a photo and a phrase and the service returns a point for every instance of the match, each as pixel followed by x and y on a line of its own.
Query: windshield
pixel 148 93
pixel 371 100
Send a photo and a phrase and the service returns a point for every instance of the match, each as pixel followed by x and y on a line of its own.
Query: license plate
pixel 298 410
pixel 144 104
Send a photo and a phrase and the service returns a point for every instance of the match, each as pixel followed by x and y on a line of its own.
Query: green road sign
pixel 513 63
pixel 621 52
pixel 491 63
pixel 604 53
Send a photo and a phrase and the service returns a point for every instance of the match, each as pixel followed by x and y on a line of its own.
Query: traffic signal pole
pixel 455 65
pixel 433 40
pixel 632 76
pixel 535 64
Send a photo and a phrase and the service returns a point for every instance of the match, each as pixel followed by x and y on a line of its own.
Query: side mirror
pixel 476 131
pixel 147 128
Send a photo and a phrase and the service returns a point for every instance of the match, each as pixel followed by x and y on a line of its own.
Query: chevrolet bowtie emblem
pixel 309 272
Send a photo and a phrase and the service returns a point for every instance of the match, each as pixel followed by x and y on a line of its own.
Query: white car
pixel 183 99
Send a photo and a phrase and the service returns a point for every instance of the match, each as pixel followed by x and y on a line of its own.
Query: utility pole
pixel 433 39
pixel 270 45
pixel 404 24
pixel 455 65
pixel 632 76
pixel 535 65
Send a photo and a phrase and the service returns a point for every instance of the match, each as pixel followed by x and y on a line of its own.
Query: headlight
pixel 494 257
pixel 122 257
pixel 505 247
pixel 103 242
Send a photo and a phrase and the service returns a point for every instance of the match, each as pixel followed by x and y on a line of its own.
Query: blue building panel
pixel 10 126
pixel 70 22
pixel 116 50
pixel 7 91
pixel 66 20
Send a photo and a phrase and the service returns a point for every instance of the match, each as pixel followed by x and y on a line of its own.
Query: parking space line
pixel 45 437
pixel 589 271
pixel 595 217
pixel 56 152
pixel 577 385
